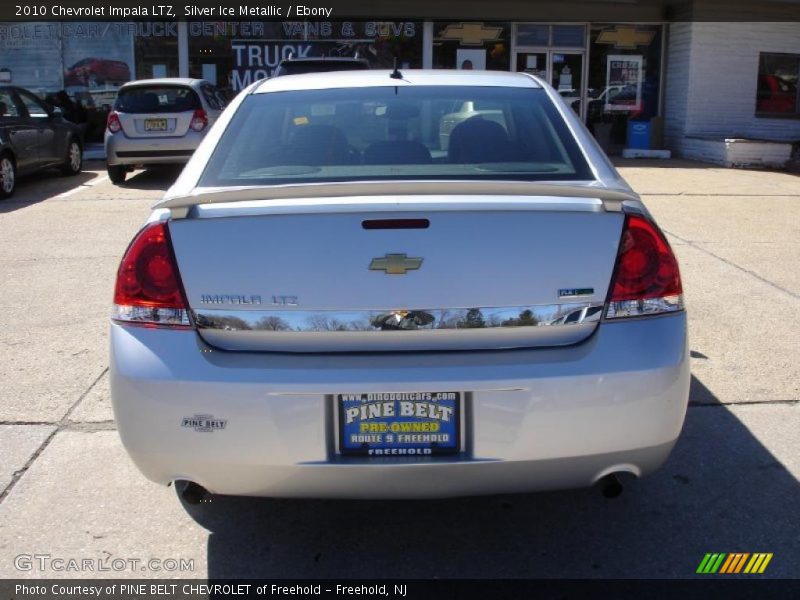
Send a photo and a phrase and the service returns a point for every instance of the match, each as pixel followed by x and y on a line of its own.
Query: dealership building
pixel 703 79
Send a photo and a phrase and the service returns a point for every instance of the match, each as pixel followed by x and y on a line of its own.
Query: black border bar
pixel 595 11
pixel 706 588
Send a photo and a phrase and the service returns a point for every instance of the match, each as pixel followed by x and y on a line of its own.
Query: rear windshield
pixel 397 133
pixel 157 98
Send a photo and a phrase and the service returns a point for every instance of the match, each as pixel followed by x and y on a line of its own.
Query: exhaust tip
pixel 610 486
pixel 193 493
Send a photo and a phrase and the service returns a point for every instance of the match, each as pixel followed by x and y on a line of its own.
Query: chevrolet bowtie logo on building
pixel 471 34
pixel 736 562
pixel 625 37
pixel 395 264
pixel 204 423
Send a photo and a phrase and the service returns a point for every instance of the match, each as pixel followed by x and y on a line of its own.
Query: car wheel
pixel 74 161
pixel 117 173
pixel 8 176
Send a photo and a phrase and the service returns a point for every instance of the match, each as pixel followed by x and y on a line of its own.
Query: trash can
pixel 639 135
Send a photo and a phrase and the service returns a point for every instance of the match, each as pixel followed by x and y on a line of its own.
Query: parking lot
pixel 68 490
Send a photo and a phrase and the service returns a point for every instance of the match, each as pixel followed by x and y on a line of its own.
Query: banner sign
pixel 624 82
pixel 257 59
pixel 88 58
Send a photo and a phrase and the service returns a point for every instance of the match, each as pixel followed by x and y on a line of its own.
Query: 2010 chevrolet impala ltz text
pixel 386 284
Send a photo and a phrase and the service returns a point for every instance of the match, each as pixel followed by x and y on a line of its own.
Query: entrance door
pixel 563 70
pixel 566 76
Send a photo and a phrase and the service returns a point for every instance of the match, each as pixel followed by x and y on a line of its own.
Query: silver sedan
pixel 157 121
pixel 330 302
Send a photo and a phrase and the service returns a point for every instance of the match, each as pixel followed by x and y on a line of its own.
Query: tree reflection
pixel 525 318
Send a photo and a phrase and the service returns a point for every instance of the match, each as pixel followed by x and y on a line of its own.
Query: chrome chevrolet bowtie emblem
pixel 395 264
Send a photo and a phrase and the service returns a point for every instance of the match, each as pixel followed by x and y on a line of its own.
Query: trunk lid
pixel 260 278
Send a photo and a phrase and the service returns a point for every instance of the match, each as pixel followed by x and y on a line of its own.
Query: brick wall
pixel 711 80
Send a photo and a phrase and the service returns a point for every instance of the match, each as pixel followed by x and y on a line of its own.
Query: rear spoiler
pixel 611 198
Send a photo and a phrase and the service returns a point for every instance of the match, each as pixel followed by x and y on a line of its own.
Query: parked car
pixel 34 136
pixel 322 305
pixel 92 72
pixel 776 95
pixel 572 97
pixel 157 121
pixel 319 64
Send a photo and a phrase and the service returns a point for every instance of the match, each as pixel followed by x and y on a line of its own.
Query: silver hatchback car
pixel 329 303
pixel 158 121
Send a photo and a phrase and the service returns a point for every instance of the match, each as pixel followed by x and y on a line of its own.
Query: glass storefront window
pixel 533 34
pixel 156 56
pixel 623 80
pixel 542 35
pixel 572 36
pixel 778 94
pixel 77 66
pixel 234 54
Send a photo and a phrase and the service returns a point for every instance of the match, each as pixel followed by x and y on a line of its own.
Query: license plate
pixel 155 124
pixel 399 423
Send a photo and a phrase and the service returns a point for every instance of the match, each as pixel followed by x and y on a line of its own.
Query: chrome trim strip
pixel 300 321
pixel 398 330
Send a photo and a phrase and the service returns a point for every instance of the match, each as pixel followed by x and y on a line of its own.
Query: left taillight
pixel 148 289
pixel 199 120
pixel 646 279
pixel 113 123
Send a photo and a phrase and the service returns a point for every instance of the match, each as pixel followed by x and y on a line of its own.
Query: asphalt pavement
pixel 69 491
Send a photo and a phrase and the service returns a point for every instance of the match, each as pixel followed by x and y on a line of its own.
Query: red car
pixel 95 71
pixel 775 95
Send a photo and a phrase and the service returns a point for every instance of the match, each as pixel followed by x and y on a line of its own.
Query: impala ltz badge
pixel 204 423
pixel 285 300
pixel 395 264
pixel 229 299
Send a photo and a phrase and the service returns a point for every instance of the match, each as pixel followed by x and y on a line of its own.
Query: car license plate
pixel 399 423
pixel 155 124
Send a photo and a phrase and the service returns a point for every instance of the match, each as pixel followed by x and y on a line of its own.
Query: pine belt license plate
pixel 155 124
pixel 399 423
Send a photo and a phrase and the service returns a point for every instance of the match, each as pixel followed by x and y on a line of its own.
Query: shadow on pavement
pixel 720 491
pixel 671 163
pixel 42 186
pixel 156 177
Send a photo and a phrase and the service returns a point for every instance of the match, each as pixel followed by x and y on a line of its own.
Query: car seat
pixel 479 140
pixel 145 103
pixel 318 145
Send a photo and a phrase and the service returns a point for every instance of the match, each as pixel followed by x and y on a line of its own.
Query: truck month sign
pixel 624 82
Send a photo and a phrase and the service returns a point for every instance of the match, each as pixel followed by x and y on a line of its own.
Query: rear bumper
pixel 534 419
pixel 123 150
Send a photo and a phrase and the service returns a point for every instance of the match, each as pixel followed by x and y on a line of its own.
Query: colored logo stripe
pixel 758 563
pixel 735 562
pixel 724 563
pixel 711 563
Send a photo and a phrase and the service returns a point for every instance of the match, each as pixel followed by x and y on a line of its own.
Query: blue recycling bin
pixel 639 135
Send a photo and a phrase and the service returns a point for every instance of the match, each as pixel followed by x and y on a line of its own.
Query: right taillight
pixel 148 290
pixel 199 120
pixel 646 279
pixel 113 123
